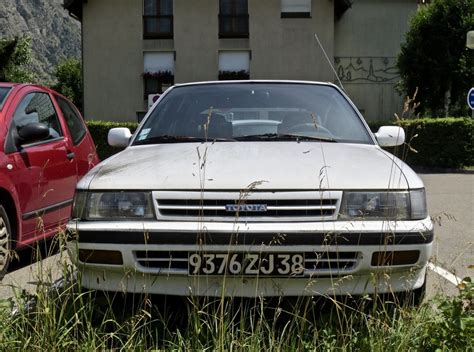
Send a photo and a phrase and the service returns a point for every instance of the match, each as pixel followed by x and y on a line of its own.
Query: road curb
pixel 440 170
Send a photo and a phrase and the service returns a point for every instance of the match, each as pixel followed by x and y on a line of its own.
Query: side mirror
pixel 119 137
pixel 32 132
pixel 390 136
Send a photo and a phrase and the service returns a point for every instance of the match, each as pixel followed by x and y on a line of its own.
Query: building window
pixel 157 19
pixel 233 19
pixel 295 8
pixel 234 65
pixel 158 71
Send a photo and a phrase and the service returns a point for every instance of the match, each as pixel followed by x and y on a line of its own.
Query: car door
pixel 82 144
pixel 44 172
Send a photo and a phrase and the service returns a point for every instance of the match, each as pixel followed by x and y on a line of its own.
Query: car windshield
pixel 3 95
pixel 253 112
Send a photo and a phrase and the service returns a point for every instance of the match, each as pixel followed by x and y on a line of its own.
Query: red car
pixel 45 148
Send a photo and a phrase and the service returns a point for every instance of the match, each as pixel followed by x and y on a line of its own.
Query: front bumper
pixel 359 238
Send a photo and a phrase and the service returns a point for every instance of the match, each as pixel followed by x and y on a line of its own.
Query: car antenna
pixel 329 61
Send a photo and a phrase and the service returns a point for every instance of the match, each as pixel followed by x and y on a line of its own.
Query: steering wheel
pixel 308 127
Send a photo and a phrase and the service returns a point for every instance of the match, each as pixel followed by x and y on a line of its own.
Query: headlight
pixel 418 204
pixel 79 205
pixel 113 205
pixel 384 205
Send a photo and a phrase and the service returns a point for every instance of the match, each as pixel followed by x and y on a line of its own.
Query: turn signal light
pixel 100 257
pixel 390 258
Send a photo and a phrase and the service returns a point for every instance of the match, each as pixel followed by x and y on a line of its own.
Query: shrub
pixel 69 80
pixel 233 75
pixel 15 60
pixel 453 327
pixel 99 131
pixel 435 59
pixel 444 142
pixel 166 77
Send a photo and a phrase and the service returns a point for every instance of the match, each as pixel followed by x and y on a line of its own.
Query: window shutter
pixel 298 6
pixel 158 61
pixel 234 61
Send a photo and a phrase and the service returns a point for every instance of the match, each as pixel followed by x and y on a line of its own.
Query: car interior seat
pixel 297 118
pixel 218 127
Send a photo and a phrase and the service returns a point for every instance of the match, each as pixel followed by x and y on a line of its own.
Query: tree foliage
pixel 435 59
pixel 15 60
pixel 69 76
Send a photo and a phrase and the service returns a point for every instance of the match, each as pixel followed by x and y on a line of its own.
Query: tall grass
pixel 63 316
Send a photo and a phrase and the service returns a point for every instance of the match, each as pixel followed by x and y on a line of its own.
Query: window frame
pixel 158 35
pixel 296 15
pixel 234 16
pixel 234 74
pixel 160 81
pixel 146 82
pixel 299 14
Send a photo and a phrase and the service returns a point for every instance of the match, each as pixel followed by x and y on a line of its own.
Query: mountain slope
pixel 55 35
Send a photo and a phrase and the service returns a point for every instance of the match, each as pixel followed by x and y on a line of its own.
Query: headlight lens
pixel 113 205
pixel 384 205
pixel 79 205
pixel 418 204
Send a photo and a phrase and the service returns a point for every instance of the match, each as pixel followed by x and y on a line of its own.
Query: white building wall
pixel 367 41
pixel 367 35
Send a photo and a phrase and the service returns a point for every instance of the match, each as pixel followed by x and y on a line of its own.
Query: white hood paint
pixel 235 165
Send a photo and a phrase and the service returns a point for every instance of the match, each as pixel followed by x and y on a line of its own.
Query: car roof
pixel 17 86
pixel 256 81
pixel 8 84
pixel 21 85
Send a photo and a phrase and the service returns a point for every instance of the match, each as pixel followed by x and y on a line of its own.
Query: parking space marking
pixel 455 280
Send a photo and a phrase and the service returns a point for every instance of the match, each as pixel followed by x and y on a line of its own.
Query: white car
pixel 310 205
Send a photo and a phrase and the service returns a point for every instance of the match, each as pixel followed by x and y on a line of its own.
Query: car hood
pixel 235 165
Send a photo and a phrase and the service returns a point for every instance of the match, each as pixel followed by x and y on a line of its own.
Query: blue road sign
pixel 470 98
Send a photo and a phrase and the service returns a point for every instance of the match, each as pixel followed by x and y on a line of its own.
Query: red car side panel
pixel 7 185
pixel 42 176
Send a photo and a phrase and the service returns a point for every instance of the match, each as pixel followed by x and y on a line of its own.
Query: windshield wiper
pixel 178 139
pixel 284 137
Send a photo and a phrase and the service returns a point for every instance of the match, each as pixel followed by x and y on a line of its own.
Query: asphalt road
pixel 450 201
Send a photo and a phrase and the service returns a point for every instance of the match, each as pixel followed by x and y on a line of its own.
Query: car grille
pixel 233 206
pixel 322 263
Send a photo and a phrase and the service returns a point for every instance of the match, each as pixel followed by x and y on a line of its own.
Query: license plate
pixel 246 264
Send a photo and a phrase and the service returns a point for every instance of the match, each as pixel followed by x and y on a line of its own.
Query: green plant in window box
pixel 233 75
pixel 166 77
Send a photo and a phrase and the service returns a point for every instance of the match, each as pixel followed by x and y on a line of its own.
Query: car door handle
pixel 70 156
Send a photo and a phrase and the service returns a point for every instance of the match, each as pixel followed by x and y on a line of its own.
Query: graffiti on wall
pixel 367 69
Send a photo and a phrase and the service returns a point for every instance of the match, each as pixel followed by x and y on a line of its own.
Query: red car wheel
pixel 5 242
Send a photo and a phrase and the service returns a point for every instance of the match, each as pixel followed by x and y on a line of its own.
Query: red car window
pixel 38 107
pixel 73 120
pixel 34 107
pixel 3 94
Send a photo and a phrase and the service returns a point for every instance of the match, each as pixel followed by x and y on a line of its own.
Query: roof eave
pixel 340 7
pixel 74 7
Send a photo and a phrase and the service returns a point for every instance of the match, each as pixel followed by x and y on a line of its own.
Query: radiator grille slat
pixel 232 206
